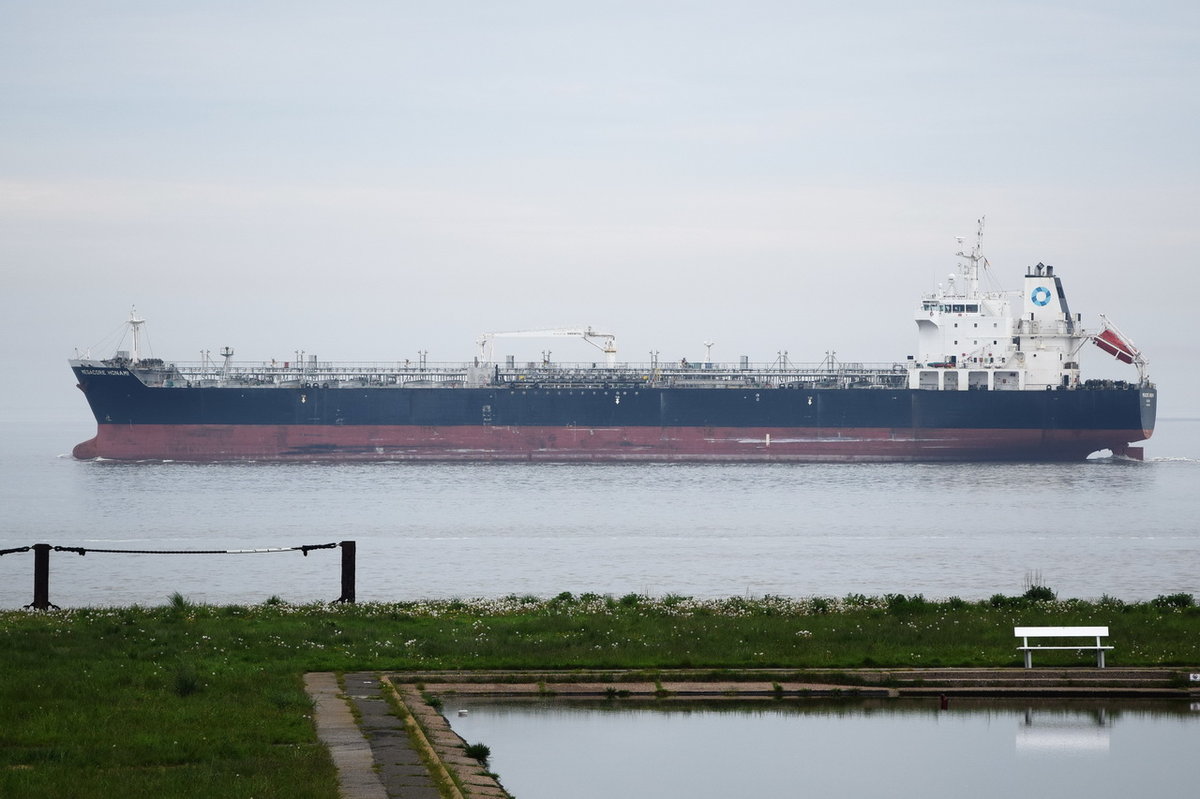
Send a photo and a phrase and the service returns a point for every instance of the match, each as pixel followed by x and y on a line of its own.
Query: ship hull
pixel 138 422
pixel 563 444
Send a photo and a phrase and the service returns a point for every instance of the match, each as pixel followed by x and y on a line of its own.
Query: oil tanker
pixel 995 377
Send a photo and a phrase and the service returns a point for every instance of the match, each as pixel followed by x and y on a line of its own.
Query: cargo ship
pixel 995 377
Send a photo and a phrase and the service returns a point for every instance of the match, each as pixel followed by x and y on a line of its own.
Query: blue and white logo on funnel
pixel 1040 296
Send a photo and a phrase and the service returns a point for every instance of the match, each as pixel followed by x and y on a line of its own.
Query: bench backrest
pixel 1057 632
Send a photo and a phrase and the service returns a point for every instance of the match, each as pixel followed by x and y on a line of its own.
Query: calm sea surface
pixel 1125 529
pixel 849 749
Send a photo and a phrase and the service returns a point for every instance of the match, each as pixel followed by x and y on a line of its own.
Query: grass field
pixel 195 700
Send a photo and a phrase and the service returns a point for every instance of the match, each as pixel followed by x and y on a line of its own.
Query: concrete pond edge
pixel 415 697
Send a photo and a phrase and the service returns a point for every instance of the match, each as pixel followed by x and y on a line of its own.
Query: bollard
pixel 348 548
pixel 41 578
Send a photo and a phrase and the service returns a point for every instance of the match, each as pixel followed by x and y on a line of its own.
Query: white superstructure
pixel 971 339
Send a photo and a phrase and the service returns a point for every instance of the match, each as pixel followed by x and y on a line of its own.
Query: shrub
pixel 1039 593
pixel 480 752
pixel 899 603
pixel 187 680
pixel 1179 600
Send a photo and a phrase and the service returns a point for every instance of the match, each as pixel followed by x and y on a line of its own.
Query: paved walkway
pixel 338 730
pixel 398 764
pixel 373 751
pixel 373 754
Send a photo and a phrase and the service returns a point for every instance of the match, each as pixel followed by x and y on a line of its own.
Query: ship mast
pixel 135 325
pixel 970 268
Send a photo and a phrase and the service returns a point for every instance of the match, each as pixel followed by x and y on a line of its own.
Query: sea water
pixel 438 530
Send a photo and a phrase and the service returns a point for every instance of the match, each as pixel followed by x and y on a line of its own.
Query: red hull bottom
pixel 564 444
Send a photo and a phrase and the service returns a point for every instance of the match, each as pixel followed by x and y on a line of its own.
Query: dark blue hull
pixel 615 423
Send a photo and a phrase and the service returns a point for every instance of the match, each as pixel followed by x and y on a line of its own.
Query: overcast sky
pixel 367 180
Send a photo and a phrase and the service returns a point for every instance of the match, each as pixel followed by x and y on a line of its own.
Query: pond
pixel 845 748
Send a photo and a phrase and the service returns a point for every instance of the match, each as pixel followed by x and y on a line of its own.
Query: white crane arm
pixel 605 342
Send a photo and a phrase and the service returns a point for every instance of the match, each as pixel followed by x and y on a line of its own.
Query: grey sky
pixel 366 180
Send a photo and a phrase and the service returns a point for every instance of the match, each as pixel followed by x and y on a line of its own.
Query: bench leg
pixel 1100 658
pixel 1028 659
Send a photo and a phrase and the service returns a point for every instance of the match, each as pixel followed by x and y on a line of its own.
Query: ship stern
pixel 1148 407
pixel 1149 410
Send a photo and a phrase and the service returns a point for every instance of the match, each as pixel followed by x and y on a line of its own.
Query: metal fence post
pixel 348 548
pixel 41 578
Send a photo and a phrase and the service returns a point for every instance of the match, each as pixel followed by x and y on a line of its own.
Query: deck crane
pixel 605 342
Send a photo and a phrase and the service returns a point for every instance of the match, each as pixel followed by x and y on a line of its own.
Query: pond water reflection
pixel 866 748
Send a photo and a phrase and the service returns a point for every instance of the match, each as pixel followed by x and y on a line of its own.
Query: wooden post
pixel 41 578
pixel 348 548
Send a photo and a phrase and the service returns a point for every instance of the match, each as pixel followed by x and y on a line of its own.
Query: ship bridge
pixel 969 338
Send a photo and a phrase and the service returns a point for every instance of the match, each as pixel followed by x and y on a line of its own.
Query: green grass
pixel 195 700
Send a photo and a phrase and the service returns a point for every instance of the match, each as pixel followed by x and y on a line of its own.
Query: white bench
pixel 1025 633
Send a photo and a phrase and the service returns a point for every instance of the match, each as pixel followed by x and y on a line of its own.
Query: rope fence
pixel 41 563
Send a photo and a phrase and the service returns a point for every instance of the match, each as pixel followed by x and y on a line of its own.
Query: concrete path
pixel 373 755
pixel 338 730
pixel 399 765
